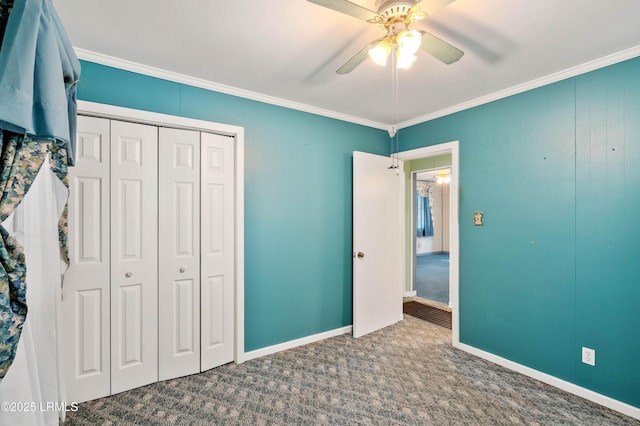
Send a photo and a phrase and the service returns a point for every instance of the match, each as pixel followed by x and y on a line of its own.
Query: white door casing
pixel 377 244
pixel 93 320
pixel 236 134
pixel 178 253
pixel 134 255
pixel 452 148
pixel 86 294
pixel 217 250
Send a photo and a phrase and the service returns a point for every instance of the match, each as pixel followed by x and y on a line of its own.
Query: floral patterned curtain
pixel 58 162
pixel 20 161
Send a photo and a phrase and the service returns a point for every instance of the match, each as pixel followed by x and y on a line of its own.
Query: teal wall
pixel 556 171
pixel 298 187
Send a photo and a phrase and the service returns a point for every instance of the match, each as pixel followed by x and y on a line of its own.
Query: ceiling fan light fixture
pixel 380 52
pixel 405 60
pixel 409 41
pixel 443 178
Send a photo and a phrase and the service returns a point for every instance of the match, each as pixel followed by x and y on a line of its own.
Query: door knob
pixel 360 255
pixel 182 269
pixel 128 275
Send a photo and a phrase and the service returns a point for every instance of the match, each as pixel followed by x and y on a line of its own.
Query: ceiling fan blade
pixel 440 49
pixel 357 59
pixel 432 6
pixel 348 8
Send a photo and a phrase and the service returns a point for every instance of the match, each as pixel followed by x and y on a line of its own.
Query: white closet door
pixel 217 250
pixel 179 253
pixel 85 305
pixel 134 255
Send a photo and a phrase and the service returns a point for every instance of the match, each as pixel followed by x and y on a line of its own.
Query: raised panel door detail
pixel 88 345
pixel 88 211
pixel 183 156
pixel 89 147
pixel 215 218
pixel 183 316
pixel 130 212
pixel 131 325
pixel 214 311
pixel 184 226
pixel 130 150
pixel 214 160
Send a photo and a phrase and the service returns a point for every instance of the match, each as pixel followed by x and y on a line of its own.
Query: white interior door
pixel 85 303
pixel 179 253
pixel 134 255
pixel 377 243
pixel 217 250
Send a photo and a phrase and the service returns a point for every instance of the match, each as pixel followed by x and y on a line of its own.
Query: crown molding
pixel 533 84
pixel 126 65
pixel 234 91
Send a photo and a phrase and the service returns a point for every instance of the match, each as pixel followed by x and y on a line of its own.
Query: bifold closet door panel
pixel 85 300
pixel 134 255
pixel 217 249
pixel 179 253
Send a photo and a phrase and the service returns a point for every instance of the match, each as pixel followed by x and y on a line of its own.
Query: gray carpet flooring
pixel 406 374
pixel 432 277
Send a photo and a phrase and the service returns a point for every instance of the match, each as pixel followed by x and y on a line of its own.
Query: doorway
pixel 430 218
pixel 408 230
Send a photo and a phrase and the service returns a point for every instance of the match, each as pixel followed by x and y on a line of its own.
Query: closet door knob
pixel 182 269
pixel 128 275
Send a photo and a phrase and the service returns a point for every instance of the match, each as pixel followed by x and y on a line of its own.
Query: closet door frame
pixel 237 135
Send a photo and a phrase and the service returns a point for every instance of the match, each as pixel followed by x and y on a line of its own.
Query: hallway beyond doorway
pixel 432 277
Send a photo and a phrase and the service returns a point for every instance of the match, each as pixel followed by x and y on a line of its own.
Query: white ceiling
pixel 290 49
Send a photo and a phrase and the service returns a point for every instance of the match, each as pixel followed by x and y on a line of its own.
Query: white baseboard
pixel 295 343
pixel 410 293
pixel 598 398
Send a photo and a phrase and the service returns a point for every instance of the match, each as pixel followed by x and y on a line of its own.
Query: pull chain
pixel 393 132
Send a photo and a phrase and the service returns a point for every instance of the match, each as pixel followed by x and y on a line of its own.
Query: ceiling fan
pixel 397 17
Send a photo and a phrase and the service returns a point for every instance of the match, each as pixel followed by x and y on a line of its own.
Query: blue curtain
pixel 424 221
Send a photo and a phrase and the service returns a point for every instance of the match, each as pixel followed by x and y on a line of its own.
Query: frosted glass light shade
pixel 380 52
pixel 409 41
pixel 405 60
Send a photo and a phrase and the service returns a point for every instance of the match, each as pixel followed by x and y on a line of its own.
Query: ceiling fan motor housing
pixel 390 9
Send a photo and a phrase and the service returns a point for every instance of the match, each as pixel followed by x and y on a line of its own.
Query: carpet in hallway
pixel 432 277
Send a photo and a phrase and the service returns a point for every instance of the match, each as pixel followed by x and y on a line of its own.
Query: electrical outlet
pixel 589 356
